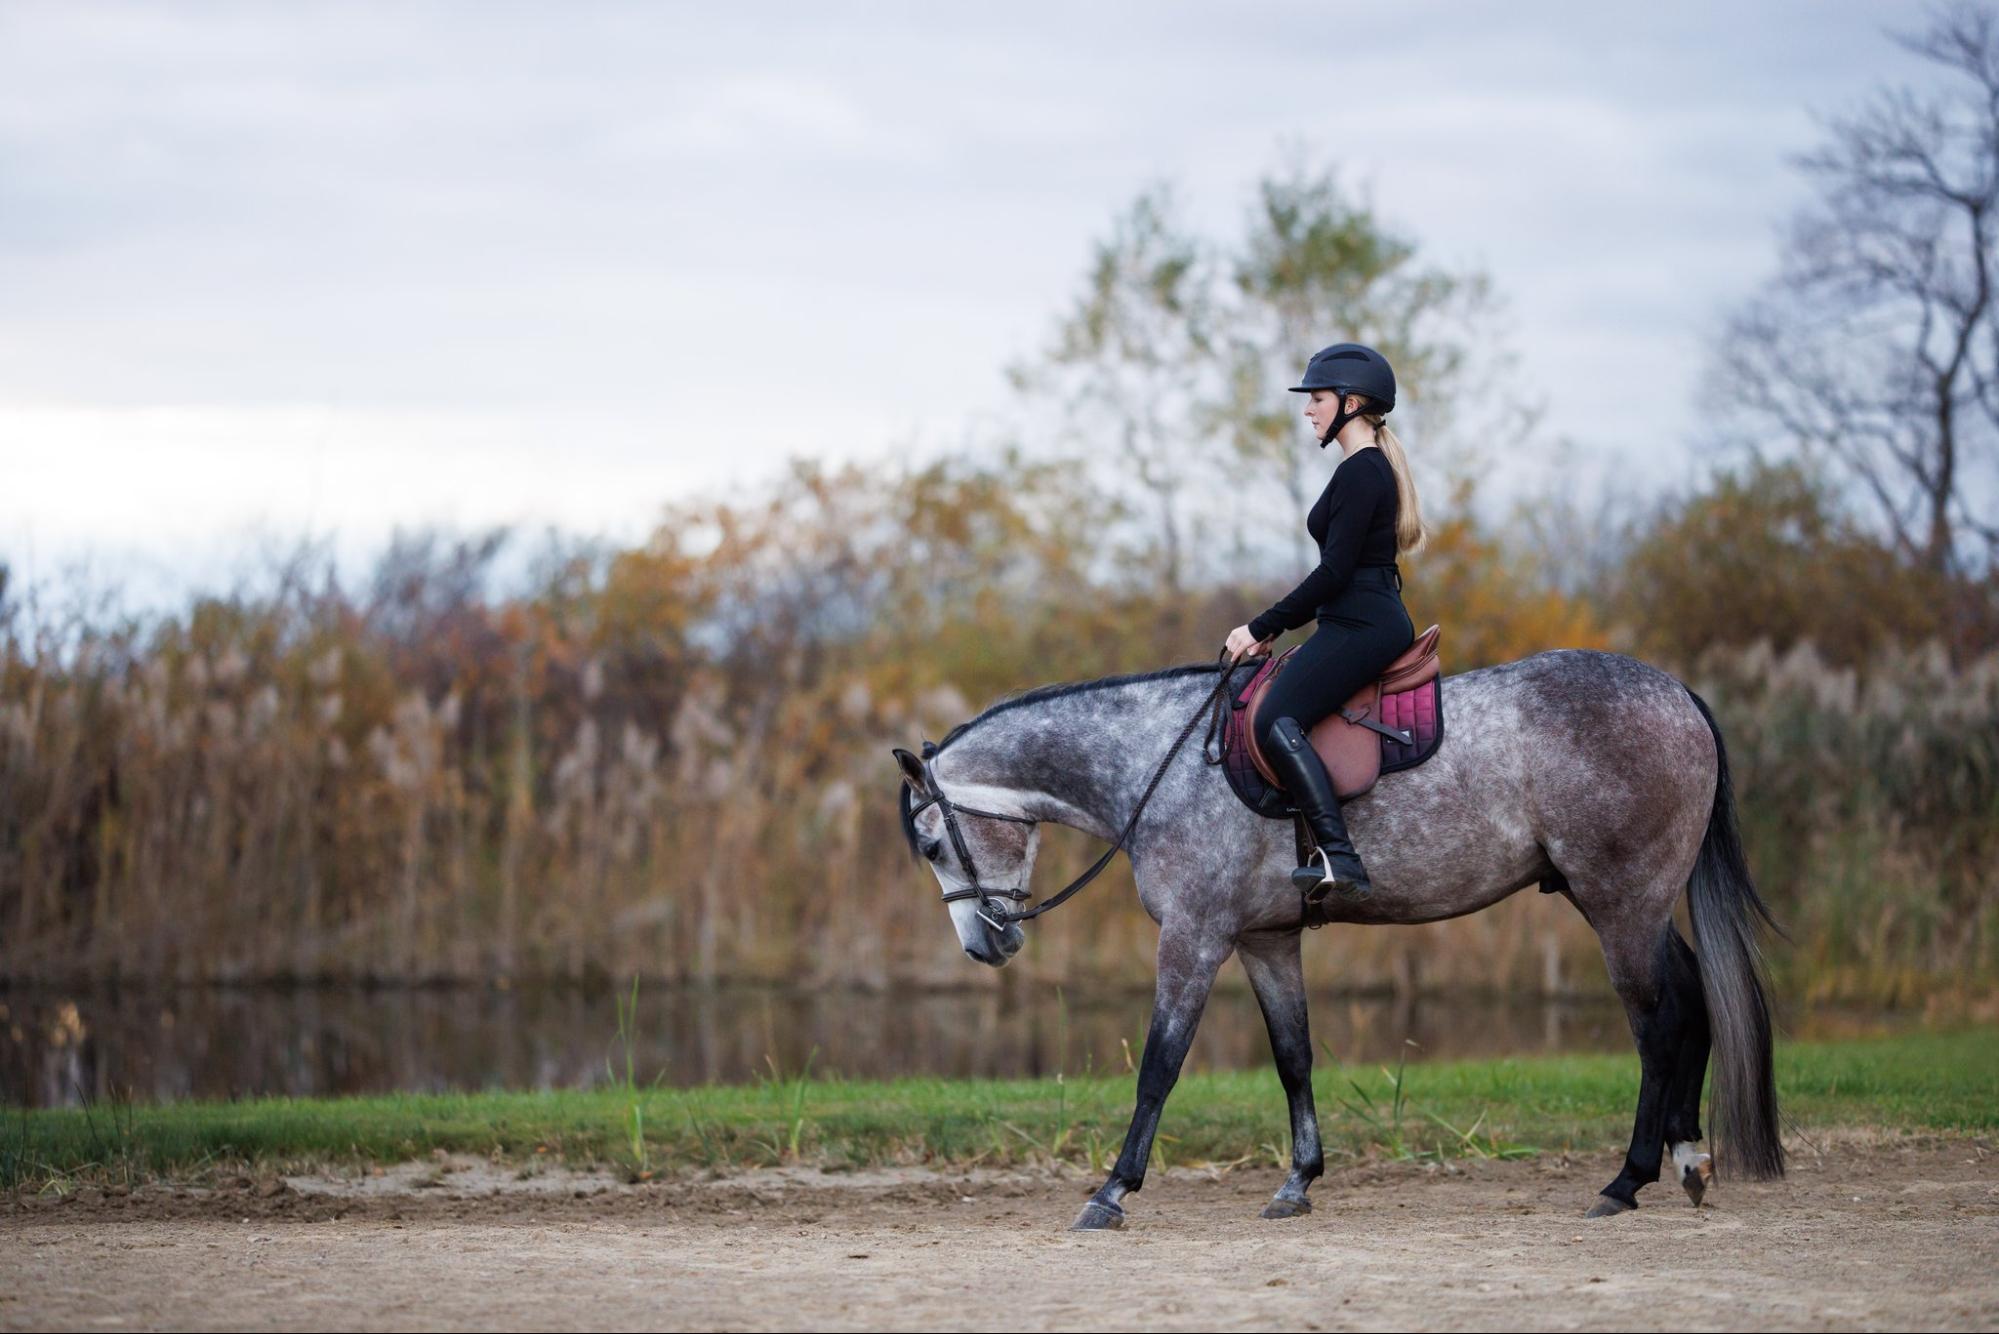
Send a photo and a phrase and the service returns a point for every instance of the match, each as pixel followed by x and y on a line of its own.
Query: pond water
pixel 59 1048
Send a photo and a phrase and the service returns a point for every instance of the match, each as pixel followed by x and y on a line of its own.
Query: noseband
pixel 991 913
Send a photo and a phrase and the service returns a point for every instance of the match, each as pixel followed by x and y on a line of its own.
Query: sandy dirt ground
pixel 1884 1234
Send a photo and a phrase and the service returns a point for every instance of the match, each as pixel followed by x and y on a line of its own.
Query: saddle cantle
pixel 1394 722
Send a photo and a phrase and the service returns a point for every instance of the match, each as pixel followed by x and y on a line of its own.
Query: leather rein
pixel 990 912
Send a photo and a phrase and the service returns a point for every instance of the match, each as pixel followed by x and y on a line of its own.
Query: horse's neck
pixel 1078 760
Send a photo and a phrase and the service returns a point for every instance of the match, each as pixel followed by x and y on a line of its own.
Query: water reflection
pixel 57 1047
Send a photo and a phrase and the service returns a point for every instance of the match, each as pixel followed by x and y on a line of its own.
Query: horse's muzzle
pixel 994 948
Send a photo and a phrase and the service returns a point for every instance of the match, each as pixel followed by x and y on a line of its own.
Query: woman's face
pixel 1323 407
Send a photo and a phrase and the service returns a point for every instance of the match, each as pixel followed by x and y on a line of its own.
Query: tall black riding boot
pixel 1335 864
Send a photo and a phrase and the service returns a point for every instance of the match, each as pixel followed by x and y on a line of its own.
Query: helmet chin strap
pixel 1340 419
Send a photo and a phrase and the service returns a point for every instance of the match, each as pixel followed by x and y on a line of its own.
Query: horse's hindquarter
pixel 1623 799
pixel 1572 759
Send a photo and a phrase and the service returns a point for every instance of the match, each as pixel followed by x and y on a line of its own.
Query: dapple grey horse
pixel 1592 774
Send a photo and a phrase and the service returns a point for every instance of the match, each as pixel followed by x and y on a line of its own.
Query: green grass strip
pixel 1931 1082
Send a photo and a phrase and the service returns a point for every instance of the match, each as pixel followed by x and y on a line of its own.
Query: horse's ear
pixel 912 771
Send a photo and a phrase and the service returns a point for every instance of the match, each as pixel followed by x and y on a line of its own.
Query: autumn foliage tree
pixel 1768 552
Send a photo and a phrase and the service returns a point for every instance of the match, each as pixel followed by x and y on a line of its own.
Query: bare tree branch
pixel 1876 345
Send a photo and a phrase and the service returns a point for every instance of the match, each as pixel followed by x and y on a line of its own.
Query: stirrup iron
pixel 1315 878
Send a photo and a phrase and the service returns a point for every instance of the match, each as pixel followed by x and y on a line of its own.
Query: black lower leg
pixel 1278 977
pixel 1683 1095
pixel 1186 972
pixel 1657 1019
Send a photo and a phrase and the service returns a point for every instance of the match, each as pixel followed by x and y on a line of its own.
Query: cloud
pixel 609 244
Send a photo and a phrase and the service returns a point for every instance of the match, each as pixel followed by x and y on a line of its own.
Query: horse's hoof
pixel 1694 1177
pixel 1607 1205
pixel 1098 1217
pixel 1282 1207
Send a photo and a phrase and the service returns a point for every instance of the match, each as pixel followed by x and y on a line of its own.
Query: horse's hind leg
pixel 1641 963
pixel 1278 976
pixel 1683 1097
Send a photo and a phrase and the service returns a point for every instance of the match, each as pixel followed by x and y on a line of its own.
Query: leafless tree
pixel 1876 344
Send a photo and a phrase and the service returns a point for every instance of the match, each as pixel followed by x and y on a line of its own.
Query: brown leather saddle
pixel 1394 722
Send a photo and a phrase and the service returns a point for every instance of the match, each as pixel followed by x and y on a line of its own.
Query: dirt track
pixel 1882 1235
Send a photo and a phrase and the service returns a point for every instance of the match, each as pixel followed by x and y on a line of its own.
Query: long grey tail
pixel 1724 906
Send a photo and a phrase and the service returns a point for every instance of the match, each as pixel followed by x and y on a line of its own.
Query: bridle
pixel 990 912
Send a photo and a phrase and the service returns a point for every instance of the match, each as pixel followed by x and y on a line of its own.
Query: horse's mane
pixel 1038 695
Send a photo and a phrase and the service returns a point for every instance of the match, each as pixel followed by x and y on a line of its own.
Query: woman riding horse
pixel 1595 776
pixel 1366 516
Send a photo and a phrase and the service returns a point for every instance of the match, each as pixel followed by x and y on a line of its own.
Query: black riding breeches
pixel 1360 632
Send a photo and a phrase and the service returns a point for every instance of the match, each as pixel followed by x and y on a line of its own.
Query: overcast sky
pixel 283 268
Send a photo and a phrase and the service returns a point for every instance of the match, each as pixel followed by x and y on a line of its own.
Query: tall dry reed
pixel 672 761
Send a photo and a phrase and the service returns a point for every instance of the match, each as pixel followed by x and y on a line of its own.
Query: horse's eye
pixel 932 848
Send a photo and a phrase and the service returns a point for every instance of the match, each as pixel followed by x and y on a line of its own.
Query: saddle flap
pixel 1352 753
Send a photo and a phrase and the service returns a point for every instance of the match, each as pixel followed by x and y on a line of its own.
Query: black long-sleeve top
pixel 1354 524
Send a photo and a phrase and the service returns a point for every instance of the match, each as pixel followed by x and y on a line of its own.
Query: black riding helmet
pixel 1349 368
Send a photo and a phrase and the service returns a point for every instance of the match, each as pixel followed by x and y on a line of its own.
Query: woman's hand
pixel 1242 642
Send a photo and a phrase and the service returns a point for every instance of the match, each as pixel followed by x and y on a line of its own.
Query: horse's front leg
pixel 1188 961
pixel 1277 974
